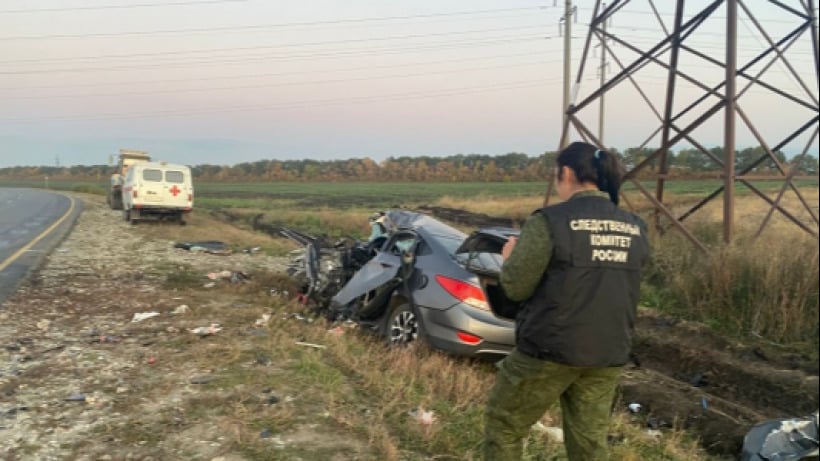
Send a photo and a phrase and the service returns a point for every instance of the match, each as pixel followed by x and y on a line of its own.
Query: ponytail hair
pixel 593 165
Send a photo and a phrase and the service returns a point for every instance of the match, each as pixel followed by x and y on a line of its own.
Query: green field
pixel 341 195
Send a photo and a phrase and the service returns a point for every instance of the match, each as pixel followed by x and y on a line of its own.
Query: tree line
pixel 513 166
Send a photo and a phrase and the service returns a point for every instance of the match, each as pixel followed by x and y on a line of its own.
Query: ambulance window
pixel 173 177
pixel 152 175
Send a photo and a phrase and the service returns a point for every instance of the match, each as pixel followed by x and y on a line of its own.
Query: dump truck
pixel 127 158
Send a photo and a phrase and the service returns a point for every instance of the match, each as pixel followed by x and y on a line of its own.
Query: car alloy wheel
pixel 404 327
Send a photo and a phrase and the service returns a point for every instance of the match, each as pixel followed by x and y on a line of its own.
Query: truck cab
pixel 127 158
pixel 157 191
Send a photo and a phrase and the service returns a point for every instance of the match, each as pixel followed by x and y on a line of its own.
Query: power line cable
pixel 266 74
pixel 266 26
pixel 333 54
pixel 287 45
pixel 172 52
pixel 110 7
pixel 273 85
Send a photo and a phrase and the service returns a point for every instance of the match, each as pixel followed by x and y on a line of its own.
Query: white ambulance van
pixel 157 190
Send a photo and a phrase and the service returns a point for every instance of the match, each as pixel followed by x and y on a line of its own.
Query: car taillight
pixel 468 338
pixel 134 193
pixel 464 292
pixel 190 197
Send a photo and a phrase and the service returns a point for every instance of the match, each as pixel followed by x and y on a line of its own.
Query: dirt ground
pixel 77 372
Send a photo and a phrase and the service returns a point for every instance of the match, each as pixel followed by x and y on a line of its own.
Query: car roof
pixel 406 219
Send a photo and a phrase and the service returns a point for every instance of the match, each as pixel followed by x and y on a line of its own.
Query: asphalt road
pixel 32 223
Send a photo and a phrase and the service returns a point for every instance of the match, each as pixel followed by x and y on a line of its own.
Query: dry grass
pixel 762 284
pixel 202 227
pixel 518 208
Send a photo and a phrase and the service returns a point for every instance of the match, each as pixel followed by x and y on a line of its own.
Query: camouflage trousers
pixel 526 387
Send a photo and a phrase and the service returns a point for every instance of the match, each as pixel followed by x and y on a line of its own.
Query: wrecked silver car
pixel 425 281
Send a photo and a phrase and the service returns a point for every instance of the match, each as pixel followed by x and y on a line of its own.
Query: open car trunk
pixel 480 253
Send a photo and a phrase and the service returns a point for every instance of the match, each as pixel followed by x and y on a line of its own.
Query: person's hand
pixel 507 249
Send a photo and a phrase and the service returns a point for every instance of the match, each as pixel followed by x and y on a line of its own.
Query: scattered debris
pixel 234 277
pixel 656 423
pixel 207 331
pixel 299 317
pixel 422 416
pixel 554 433
pixel 634 407
pixel 315 346
pixel 205 379
pixel 699 380
pixel 266 433
pixel 214 247
pixel 140 316
pixel 239 276
pixel 44 324
pixel 12 412
pixel 77 397
pixel 209 285
pixel 219 275
pixel 654 433
pixel 106 339
pixel 181 309
pixel 262 321
pixel 336 331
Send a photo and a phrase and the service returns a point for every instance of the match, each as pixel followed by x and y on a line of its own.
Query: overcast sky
pixel 229 81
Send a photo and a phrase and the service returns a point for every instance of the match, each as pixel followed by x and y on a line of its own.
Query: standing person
pixel 577 268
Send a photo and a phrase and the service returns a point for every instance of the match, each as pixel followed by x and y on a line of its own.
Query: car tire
pixel 402 326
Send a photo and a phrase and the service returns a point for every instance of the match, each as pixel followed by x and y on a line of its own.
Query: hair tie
pixel 597 154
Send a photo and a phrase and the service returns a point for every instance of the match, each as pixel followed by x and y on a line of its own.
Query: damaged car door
pixel 366 294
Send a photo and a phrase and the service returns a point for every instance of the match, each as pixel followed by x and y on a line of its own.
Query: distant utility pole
pixel 603 80
pixel 57 160
pixel 567 31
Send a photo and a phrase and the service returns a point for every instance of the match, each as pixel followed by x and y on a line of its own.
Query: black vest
pixel 583 311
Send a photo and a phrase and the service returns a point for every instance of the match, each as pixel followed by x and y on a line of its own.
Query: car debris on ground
pixel 213 329
pixel 422 416
pixel 140 316
pixel 213 247
pixel 791 439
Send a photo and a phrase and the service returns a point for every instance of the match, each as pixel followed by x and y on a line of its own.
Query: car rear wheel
pixel 402 325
